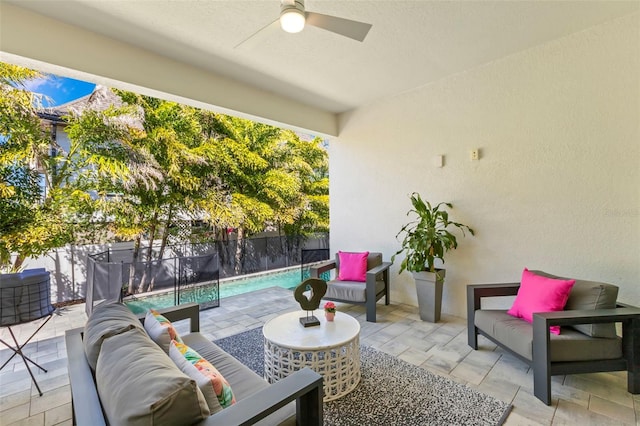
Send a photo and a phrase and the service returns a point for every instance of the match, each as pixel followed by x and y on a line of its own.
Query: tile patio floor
pixel 588 399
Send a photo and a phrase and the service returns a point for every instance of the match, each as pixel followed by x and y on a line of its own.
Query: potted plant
pixel 425 240
pixel 330 311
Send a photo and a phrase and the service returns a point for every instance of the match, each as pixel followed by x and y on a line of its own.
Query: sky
pixel 59 90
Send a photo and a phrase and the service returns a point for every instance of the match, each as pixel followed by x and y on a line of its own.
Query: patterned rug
pixel 391 391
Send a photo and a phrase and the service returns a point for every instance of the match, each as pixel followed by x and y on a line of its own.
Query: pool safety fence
pixel 311 256
pixel 251 255
pixel 115 274
pixel 192 278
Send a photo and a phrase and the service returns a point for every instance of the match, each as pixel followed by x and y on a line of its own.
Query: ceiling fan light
pixel 292 20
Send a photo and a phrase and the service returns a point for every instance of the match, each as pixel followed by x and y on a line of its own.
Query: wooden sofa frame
pixel 370 291
pixel 303 386
pixel 541 364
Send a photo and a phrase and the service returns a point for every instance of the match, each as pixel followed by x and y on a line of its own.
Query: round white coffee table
pixel 332 349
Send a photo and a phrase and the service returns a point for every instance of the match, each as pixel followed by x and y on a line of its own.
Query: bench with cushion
pixel 587 343
pixel 119 375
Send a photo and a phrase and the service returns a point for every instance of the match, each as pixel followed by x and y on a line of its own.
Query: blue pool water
pixel 286 279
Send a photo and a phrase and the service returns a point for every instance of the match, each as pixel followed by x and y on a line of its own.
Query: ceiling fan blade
pixel 345 27
pixel 255 38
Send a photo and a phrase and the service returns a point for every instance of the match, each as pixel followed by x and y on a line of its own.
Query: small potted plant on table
pixel 425 240
pixel 330 311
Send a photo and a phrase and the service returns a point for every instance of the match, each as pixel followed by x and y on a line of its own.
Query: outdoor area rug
pixel 391 391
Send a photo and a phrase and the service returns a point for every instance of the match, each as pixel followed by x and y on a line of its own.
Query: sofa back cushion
pixel 107 319
pixel 138 384
pixel 587 295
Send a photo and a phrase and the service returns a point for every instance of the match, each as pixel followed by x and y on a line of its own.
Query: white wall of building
pixel 62 139
pixel 557 186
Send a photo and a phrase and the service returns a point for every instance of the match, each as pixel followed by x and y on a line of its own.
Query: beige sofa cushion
pixel 107 319
pixel 138 384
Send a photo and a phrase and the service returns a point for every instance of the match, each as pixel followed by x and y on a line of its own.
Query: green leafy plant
pixel 427 238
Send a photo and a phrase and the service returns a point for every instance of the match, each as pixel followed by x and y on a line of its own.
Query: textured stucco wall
pixel 558 183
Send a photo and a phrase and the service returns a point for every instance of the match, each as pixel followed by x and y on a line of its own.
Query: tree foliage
pixel 147 164
pixel 45 191
pixel 28 226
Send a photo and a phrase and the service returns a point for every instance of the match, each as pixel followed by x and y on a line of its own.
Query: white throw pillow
pixel 160 330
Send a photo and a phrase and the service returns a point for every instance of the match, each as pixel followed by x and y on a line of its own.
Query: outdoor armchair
pixel 588 341
pixel 365 293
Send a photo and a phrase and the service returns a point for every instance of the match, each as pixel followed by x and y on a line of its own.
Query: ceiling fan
pixel 293 18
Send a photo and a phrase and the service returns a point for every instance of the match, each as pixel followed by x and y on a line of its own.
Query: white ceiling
pixel 411 43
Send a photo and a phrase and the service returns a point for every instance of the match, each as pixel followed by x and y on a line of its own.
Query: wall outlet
pixel 475 154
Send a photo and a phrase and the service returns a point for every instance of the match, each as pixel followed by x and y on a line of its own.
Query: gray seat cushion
pixel 244 382
pixel 138 384
pixel 107 319
pixel 587 295
pixel 569 345
pixel 352 291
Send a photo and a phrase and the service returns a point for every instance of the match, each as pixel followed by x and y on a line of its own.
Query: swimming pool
pixel 288 279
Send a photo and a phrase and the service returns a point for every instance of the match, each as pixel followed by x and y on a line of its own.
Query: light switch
pixel 438 161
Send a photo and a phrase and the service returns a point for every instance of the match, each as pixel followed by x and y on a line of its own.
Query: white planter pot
pixel 429 291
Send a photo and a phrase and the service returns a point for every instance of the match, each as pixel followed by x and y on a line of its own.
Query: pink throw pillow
pixel 540 294
pixel 353 266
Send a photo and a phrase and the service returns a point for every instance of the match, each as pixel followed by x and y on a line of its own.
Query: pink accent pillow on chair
pixel 353 266
pixel 540 294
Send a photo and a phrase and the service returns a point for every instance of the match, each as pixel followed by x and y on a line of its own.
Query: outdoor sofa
pixel 135 382
pixel 588 341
